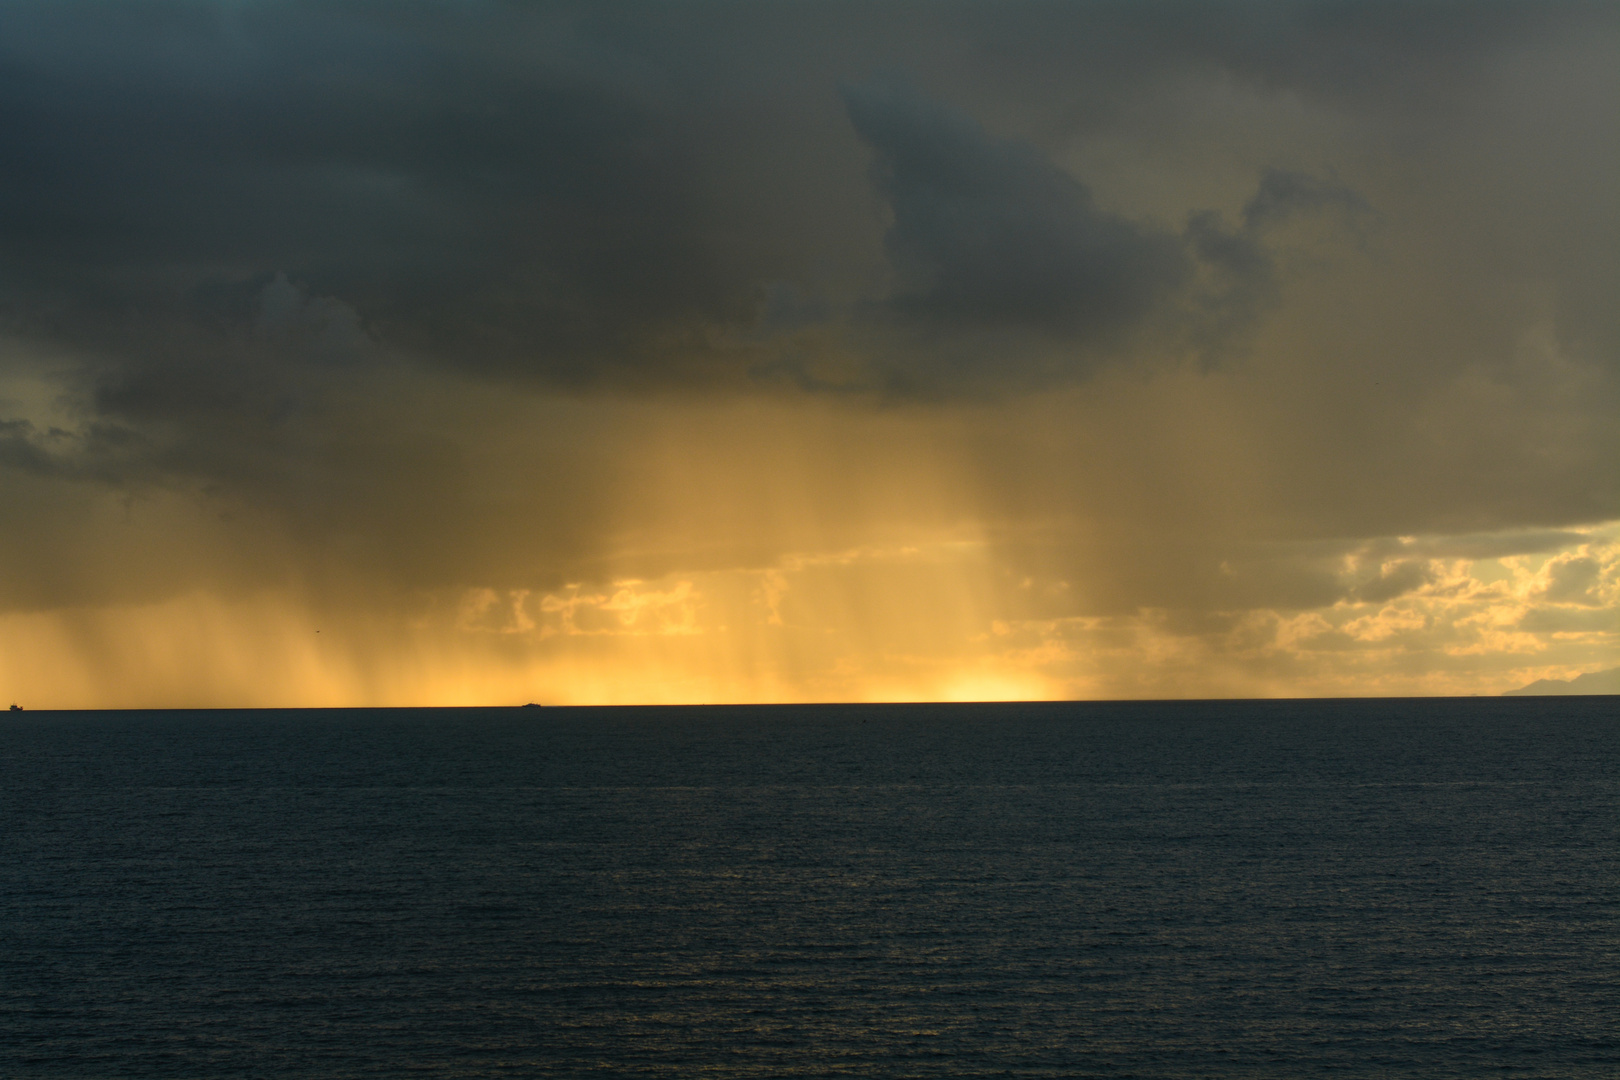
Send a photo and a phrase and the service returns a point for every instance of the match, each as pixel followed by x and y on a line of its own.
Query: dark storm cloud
pixel 541 192
pixel 552 195
pixel 988 232
pixel 511 212
pixel 261 232
pixel 1009 276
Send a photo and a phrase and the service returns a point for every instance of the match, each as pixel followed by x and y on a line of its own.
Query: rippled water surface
pixel 1268 889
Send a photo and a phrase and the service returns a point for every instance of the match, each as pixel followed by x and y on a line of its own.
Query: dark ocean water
pixel 1423 888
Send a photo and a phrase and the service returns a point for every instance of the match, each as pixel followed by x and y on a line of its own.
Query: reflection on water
pixel 1402 888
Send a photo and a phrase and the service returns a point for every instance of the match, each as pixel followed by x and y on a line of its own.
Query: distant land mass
pixel 1593 682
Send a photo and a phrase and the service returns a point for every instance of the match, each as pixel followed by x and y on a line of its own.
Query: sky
pixel 364 353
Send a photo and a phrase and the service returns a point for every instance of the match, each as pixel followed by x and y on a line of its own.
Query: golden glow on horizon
pixel 915 623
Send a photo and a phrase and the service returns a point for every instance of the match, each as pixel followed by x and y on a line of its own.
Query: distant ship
pixel 16 707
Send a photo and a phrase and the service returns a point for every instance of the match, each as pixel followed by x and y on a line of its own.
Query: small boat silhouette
pixel 16 707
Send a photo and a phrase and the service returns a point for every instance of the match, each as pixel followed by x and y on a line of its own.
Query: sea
pixel 1355 888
